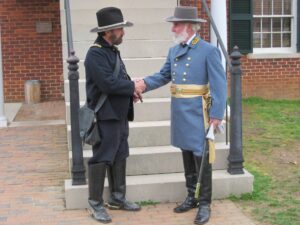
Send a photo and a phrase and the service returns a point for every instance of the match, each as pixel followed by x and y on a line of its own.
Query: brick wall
pixel 267 78
pixel 271 78
pixel 28 55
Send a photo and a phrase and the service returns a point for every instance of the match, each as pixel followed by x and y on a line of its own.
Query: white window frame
pixel 277 50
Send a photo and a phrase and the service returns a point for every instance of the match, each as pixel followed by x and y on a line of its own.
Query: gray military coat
pixel 197 63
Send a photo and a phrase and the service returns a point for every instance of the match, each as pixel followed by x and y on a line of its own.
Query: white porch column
pixel 3 119
pixel 219 14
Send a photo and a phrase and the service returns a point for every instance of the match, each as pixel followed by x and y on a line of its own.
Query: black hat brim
pixel 111 27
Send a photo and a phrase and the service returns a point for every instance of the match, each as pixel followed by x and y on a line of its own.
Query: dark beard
pixel 115 40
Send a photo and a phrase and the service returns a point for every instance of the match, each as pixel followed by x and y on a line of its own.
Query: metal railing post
pixel 235 157
pixel 78 170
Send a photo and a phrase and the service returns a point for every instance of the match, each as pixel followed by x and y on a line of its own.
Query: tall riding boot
pixel 117 185
pixel 96 186
pixel 190 173
pixel 203 213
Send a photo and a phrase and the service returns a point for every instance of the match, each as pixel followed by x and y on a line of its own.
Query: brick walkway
pixel 32 171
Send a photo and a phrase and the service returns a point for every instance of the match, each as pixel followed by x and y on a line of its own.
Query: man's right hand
pixel 140 86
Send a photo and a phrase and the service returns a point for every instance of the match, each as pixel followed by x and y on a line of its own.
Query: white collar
pixel 191 38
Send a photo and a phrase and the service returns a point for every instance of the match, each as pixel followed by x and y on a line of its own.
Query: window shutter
pixel 241 25
pixel 298 26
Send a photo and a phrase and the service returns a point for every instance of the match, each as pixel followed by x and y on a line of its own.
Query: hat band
pixel 115 24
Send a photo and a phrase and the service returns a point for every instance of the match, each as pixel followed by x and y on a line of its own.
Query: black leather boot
pixel 96 186
pixel 203 213
pixel 117 185
pixel 190 173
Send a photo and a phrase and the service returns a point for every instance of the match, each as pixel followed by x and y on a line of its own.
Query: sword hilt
pixel 197 191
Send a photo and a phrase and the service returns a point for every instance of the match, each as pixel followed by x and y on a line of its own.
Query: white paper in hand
pixel 210 134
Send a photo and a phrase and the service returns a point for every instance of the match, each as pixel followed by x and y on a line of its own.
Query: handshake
pixel 140 87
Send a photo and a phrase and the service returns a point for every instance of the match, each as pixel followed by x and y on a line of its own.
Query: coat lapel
pixel 183 50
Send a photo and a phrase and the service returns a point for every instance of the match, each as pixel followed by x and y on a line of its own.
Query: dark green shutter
pixel 241 25
pixel 298 26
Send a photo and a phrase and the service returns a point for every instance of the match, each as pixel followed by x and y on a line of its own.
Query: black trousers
pixel 114 142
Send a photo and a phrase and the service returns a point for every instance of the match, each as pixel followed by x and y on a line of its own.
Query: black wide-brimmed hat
pixel 185 14
pixel 110 18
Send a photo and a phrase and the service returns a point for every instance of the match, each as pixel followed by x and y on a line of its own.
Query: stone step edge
pixel 163 123
pixel 224 185
pixel 131 59
pixel 146 100
pixel 154 150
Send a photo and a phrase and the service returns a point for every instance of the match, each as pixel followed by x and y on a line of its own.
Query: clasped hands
pixel 140 87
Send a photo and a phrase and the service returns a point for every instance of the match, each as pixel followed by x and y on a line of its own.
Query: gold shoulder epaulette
pixel 96 45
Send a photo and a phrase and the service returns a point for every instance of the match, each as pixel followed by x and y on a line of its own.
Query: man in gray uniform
pixel 195 70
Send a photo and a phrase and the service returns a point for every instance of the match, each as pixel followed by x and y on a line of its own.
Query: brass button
pixel 189 58
pixel 176 59
pixel 184 80
pixel 173 79
pixel 187 65
pixel 175 64
pixel 174 73
pixel 184 73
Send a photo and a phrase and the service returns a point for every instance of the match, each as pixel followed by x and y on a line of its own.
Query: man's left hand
pixel 215 122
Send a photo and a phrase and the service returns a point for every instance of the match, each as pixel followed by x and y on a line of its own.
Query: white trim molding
pixel 273 56
pixel 3 119
pixel 219 13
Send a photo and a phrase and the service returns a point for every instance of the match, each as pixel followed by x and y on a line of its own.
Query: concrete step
pixel 150 133
pixel 129 48
pixel 143 111
pixel 136 67
pixel 146 111
pixel 163 92
pixel 160 159
pixel 81 32
pixel 142 134
pixel 132 4
pixel 163 188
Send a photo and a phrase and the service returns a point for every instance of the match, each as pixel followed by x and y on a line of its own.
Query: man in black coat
pixel 110 155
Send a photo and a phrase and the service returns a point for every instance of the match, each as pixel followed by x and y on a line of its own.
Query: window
pixel 273 25
pixel 265 26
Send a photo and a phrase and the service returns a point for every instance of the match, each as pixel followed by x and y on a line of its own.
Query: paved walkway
pixel 34 165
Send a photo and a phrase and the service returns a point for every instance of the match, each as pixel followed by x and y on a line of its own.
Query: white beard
pixel 179 38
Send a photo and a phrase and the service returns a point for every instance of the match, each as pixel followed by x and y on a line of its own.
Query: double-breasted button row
pixel 184 73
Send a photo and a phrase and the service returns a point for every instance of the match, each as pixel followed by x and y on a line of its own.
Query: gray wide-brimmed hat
pixel 185 14
pixel 110 18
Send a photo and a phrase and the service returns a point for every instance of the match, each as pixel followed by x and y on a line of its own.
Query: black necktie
pixel 183 45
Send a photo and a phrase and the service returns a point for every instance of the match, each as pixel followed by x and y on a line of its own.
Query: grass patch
pixel 271 140
pixel 147 203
